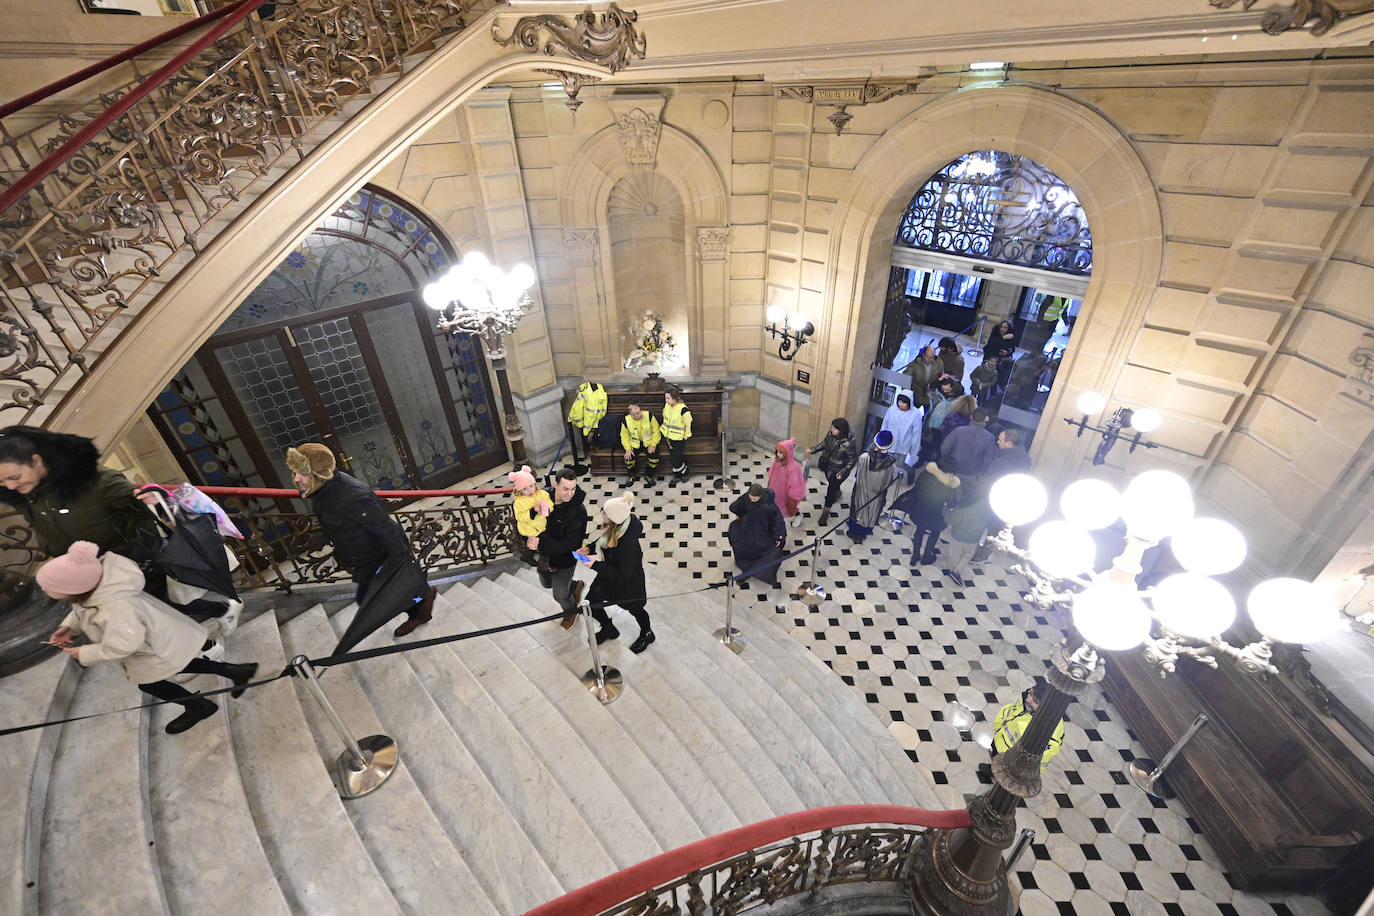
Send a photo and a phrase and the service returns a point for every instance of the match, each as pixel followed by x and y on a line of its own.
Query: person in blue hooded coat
pixel 758 534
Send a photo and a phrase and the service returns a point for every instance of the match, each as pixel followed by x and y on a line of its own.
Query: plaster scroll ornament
pixel 608 39
pixel 1326 12
pixel 639 133
pixel 579 239
pixel 712 242
pixel 572 84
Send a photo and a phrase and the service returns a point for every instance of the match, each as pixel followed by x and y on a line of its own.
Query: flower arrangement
pixel 652 345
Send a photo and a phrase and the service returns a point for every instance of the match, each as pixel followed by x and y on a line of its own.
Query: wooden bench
pixel 704 449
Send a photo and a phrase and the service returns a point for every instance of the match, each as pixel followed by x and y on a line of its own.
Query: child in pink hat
pixel 786 481
pixel 532 508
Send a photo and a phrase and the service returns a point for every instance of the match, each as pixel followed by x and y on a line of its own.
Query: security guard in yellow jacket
pixel 639 435
pixel 677 429
pixel 587 410
pixel 1013 718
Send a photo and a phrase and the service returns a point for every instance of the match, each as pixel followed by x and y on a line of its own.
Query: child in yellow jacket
pixel 532 508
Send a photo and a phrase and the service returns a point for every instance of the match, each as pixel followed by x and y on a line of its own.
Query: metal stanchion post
pixel 1145 777
pixel 724 481
pixel 366 763
pixel 605 683
pixel 731 638
pixel 1022 844
pixel 812 593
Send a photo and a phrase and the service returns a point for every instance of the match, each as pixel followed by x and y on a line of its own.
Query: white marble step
pixel 564 840
pixel 97 855
pixel 320 863
pixel 38 694
pixel 688 782
pixel 477 819
pixel 586 748
pixel 767 793
pixel 193 783
pixel 405 839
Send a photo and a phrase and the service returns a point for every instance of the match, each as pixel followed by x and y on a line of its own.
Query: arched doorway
pixel 336 345
pixel 991 237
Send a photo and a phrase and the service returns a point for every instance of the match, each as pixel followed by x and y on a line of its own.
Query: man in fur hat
pixel 357 523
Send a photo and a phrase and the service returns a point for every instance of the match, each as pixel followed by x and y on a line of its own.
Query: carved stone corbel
pixel 572 84
pixel 850 94
pixel 712 242
pixel 639 120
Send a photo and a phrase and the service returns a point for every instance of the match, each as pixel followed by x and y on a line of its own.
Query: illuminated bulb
pixel 798 321
pixel 1193 605
pixel 1155 504
pixel 1018 499
pixel 1060 549
pixel 1209 546
pixel 1145 420
pixel 521 277
pixel 1090 504
pixel 1090 402
pixel 775 314
pixel 1111 617
pixel 1292 610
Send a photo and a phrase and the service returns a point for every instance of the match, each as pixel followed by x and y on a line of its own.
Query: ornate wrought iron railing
pixel 130 182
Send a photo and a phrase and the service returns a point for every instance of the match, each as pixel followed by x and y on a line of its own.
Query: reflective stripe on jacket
pixel 677 422
pixel 589 407
pixel 642 432
pixel 1011 723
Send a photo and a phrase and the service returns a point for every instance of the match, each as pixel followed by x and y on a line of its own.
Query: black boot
pixel 240 675
pixel 646 636
pixel 197 708
pixel 607 632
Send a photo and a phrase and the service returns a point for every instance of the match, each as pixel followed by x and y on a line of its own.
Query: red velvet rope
pixel 627 883
pixel 269 493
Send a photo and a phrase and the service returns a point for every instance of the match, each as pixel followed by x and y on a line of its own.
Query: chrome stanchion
pixel 812 593
pixel 365 764
pixel 1022 844
pixel 1145 777
pixel 724 481
pixel 605 683
pixel 731 638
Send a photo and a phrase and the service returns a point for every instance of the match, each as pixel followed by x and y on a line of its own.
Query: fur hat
pixel 883 441
pixel 521 478
pixel 311 458
pixel 618 508
pixel 76 572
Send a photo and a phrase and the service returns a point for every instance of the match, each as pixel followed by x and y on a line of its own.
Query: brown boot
pixel 570 619
pixel 421 614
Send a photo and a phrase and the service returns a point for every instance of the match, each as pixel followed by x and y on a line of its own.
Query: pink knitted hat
pixel 76 572
pixel 521 478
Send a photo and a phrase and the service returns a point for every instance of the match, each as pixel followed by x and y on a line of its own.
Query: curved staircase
pixel 516 785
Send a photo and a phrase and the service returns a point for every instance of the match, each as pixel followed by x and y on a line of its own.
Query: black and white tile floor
pixel 919 650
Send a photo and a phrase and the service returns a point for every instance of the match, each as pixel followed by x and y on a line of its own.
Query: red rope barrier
pixel 627 883
pixel 270 493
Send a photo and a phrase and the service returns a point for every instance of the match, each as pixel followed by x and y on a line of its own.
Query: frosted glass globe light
pixel 1090 402
pixel 1209 546
pixel 775 314
pixel 476 263
pixel 1156 504
pixel 437 294
pixel 1111 617
pixel 1193 605
pixel 798 321
pixel 1145 420
pixel 521 277
pixel 1090 503
pixel 1018 499
pixel 1292 610
pixel 1061 549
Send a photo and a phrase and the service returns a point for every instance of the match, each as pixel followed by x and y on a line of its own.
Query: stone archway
pixel 1067 137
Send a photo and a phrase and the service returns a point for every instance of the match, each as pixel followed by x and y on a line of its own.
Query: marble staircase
pixel 515 786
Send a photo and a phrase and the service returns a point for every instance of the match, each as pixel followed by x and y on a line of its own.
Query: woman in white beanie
pixel 618 561
pixel 126 624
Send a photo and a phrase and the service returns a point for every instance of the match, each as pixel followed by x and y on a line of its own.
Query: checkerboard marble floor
pixel 919 650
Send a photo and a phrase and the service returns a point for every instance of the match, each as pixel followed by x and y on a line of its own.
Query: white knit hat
pixel 618 508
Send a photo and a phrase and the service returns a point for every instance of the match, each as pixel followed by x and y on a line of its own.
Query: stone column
pixel 598 343
pixel 708 324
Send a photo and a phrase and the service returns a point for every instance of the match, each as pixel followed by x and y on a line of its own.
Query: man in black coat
pixel 758 533
pixel 365 538
pixel 566 532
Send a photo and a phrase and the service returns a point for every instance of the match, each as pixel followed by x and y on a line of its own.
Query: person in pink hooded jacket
pixel 786 481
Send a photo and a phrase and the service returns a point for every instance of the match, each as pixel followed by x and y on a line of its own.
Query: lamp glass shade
pixel 1292 610
pixel 436 294
pixel 1155 504
pixel 1090 503
pixel 476 262
pixel 521 277
pixel 1194 605
pixel 775 314
pixel 1061 549
pixel 1145 419
pixel 1090 402
pixel 798 321
pixel 1209 546
pixel 1018 499
pixel 1111 617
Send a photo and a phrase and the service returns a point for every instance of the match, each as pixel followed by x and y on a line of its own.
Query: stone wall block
pixel 1318 174
pixel 1203 218
pixel 1221 361
pixel 1246 114
pixel 1297 230
pixel 1152 113
pixel 1175 309
pixel 1339 115
pixel 748 208
pixel 749 178
pixel 1346 288
pixel 1201 401
pixel 1326 339
pixel 1198 267
pixel 1156 349
pixel 752 112
pixel 751 146
pixel 1278 425
pixel 1357 244
pixel 1305 385
pixel 1243 321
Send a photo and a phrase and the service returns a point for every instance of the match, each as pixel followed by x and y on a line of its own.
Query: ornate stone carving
pixel 572 84
pixel 1326 12
pixel 843 96
pixel 713 242
pixel 639 119
pixel 579 239
pixel 1360 386
pixel 608 39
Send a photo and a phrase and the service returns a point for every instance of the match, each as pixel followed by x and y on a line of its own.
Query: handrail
pixel 43 169
pixel 273 493
pixel 625 884
pixel 127 54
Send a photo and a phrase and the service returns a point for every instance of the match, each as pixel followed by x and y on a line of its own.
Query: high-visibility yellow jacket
pixel 589 407
pixel 1011 723
pixel 677 422
pixel 642 432
pixel 1054 309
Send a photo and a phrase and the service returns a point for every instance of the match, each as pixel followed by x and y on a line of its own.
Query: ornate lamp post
pixel 1185 615
pixel 476 297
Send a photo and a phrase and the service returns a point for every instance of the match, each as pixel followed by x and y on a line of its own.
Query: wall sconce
pixel 795 330
pixel 1141 419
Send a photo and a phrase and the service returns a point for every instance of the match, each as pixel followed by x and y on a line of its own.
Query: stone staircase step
pixel 772 795
pixel 477 819
pixel 320 863
pixel 98 854
pixel 564 840
pixel 396 824
pixel 193 783
pixel 41 693
pixel 689 783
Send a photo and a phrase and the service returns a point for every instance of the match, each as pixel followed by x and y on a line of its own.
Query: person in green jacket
pixel 1013 718
pixel 639 437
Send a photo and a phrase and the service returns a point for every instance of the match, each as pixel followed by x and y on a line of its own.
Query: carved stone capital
pixel 713 242
pixel 608 39
pixel 581 241
pixel 639 119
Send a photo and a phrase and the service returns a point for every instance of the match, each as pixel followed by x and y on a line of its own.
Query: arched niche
pixel 1076 143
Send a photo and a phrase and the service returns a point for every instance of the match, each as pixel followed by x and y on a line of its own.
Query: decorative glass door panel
pixel 276 408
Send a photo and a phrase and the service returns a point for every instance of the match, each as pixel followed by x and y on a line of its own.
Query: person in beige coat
pixel 123 623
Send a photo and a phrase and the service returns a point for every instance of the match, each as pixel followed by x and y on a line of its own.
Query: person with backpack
pixel 677 429
pixel 639 437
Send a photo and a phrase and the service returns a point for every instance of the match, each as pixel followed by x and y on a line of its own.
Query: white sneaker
pixel 795 521
pixel 229 620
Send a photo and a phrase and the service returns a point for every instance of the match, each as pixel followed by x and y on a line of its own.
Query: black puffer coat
pixel 357 523
pixel 78 500
pixel 620 569
pixel 566 531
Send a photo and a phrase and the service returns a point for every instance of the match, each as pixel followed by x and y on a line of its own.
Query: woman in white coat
pixel 124 623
